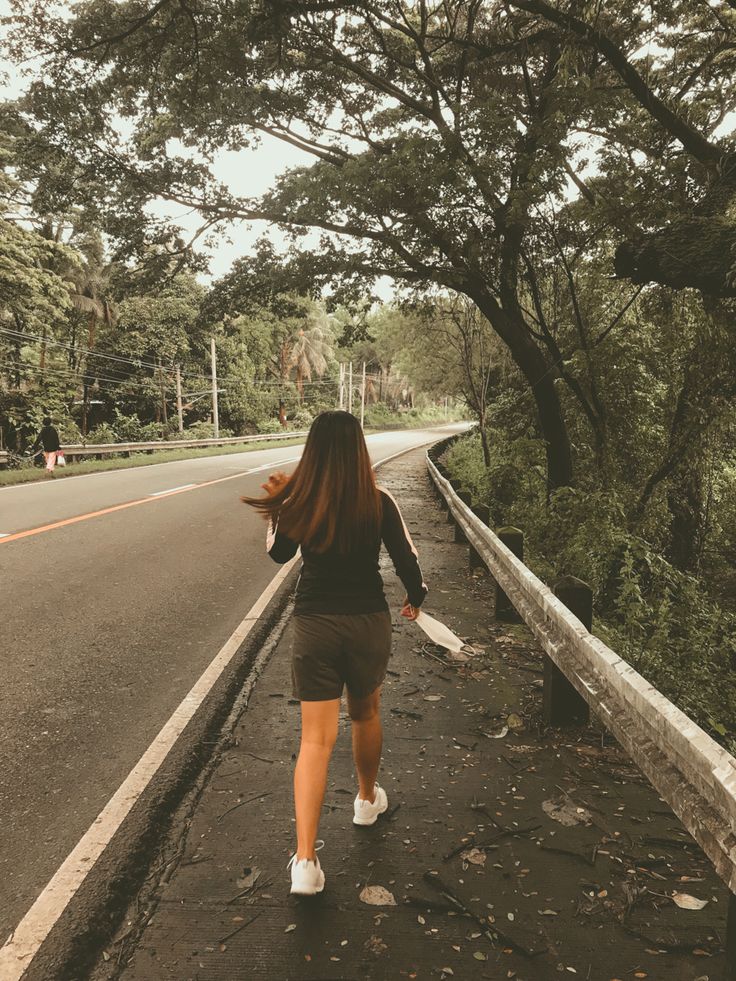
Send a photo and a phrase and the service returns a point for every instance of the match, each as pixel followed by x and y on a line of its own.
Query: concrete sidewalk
pixel 508 851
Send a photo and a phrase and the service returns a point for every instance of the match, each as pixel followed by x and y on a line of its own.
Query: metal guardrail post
pixel 467 498
pixel 513 539
pixel 483 512
pixel 562 705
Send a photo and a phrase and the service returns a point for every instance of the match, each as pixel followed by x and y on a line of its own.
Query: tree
pixel 441 191
pixel 310 351
pixel 447 347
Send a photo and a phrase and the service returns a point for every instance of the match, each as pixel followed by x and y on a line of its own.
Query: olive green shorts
pixel 331 651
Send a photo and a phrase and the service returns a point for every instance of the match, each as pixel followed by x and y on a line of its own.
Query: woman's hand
pixel 275 483
pixel 409 611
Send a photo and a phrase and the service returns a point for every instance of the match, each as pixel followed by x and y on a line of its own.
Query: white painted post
pixel 362 399
pixel 350 388
pixel 215 406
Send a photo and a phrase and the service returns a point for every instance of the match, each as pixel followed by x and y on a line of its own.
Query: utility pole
pixel 165 412
pixel 215 406
pixel 341 387
pixel 350 388
pixel 179 409
pixel 161 414
pixel 362 399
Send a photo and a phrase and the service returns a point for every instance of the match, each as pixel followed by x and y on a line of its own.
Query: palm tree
pixel 310 353
pixel 89 285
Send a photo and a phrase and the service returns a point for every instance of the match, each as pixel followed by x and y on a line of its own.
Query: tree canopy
pixel 483 147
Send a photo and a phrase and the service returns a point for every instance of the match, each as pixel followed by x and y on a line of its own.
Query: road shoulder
pixel 509 850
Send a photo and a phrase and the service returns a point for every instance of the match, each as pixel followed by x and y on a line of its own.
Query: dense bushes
pixel 663 621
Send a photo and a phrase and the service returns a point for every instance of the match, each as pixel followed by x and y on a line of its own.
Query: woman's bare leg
pixel 319 732
pixel 367 741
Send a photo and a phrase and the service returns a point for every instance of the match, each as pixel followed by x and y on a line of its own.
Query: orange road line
pixel 119 507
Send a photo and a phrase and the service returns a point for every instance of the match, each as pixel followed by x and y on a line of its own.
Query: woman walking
pixel 48 438
pixel 332 509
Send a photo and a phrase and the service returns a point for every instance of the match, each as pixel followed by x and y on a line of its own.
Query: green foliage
pixel 513 482
pixel 104 433
pixel 659 619
pixel 204 430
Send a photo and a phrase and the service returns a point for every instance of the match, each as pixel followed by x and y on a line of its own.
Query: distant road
pixel 106 621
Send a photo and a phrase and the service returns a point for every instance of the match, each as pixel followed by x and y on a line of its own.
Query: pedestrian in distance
pixel 48 440
pixel 333 509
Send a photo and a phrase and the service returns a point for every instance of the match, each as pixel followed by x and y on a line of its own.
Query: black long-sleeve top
pixel 331 582
pixel 49 439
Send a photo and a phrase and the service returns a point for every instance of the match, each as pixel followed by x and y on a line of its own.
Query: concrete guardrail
pixel 81 451
pixel 690 771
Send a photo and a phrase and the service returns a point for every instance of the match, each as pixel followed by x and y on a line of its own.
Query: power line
pixel 86 352
pixel 275 388
pixel 73 375
pixel 139 362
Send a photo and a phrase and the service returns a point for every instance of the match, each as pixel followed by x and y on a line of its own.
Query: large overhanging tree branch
pixel 696 250
pixel 692 140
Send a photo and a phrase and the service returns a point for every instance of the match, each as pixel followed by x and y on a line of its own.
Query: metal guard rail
pixel 78 450
pixel 690 771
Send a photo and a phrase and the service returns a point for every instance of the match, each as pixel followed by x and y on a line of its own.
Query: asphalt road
pixel 105 623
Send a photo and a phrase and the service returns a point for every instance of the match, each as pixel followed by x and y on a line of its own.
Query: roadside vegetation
pixel 676 627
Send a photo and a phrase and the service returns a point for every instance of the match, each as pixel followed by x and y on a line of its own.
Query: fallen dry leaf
pixel 685 901
pixel 377 896
pixel 566 813
pixel 475 856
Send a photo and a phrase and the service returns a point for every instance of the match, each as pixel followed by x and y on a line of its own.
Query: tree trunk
pixel 540 376
pixel 484 440
pixel 685 501
pixel 85 406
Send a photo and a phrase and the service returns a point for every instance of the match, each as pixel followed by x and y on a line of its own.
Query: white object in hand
pixel 438 633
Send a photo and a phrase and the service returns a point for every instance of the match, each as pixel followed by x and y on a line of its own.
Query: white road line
pixel 25 941
pixel 17 953
pixel 170 490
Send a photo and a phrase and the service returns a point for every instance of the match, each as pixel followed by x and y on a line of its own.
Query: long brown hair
pixel 331 500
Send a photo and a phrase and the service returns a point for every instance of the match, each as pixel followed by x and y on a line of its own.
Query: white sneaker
pixel 367 813
pixel 307 877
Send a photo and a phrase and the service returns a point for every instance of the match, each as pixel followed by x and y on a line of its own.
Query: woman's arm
pixel 278 546
pixel 400 547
